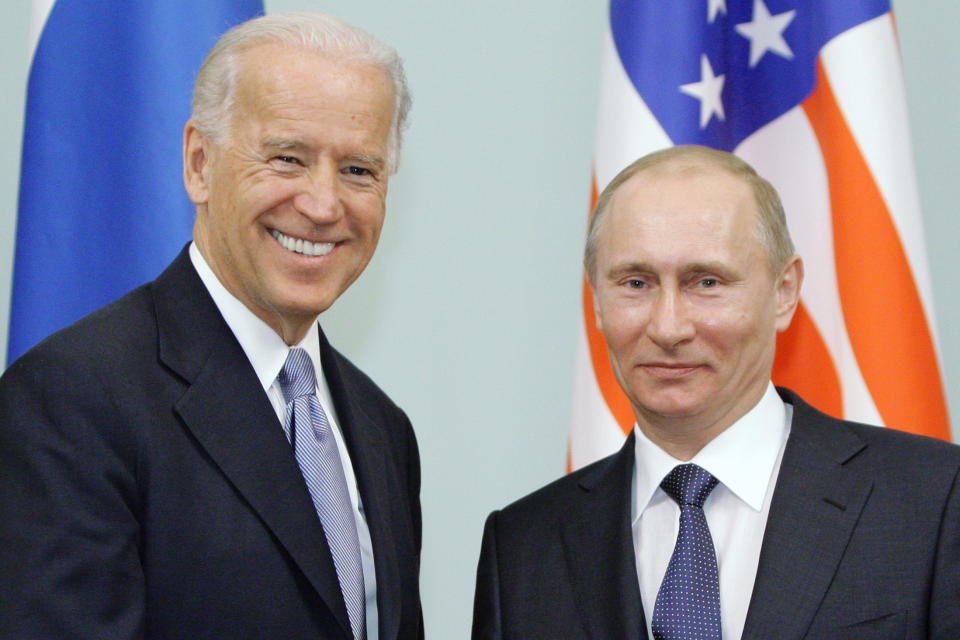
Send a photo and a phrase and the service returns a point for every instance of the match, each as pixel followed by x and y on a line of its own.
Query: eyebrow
pixel 629 267
pixel 645 267
pixel 293 144
pixel 283 143
pixel 365 158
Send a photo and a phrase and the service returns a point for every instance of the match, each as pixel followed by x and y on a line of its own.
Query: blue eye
pixel 709 282
pixel 636 284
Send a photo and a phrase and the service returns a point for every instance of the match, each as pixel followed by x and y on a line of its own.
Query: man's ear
pixel 788 291
pixel 196 150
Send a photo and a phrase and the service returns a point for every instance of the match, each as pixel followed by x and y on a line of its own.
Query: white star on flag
pixel 707 91
pixel 765 32
pixel 714 7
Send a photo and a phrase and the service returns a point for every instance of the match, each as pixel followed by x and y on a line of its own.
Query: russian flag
pixel 102 206
pixel 811 94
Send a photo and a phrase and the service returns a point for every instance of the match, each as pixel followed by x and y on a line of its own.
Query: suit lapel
pixel 598 542
pixel 228 413
pixel 815 507
pixel 369 454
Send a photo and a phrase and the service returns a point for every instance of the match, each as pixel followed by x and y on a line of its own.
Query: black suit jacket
pixel 147 488
pixel 862 541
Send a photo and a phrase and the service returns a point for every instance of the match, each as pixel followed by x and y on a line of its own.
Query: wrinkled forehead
pixel 265 68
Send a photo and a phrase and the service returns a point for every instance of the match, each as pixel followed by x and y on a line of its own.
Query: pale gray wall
pixel 468 313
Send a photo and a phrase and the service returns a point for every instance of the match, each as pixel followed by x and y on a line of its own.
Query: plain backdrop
pixel 468 313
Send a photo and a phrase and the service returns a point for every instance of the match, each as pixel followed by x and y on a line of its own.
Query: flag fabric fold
pixel 811 94
pixel 102 206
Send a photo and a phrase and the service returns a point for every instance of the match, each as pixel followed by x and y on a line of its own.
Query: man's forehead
pixel 270 59
pixel 278 74
pixel 265 52
pixel 679 189
pixel 264 63
pixel 683 215
pixel 282 93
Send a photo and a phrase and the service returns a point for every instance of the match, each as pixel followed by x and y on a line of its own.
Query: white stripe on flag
pixel 38 18
pixel 626 129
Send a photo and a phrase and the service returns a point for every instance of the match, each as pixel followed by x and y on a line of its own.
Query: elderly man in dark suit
pixel 195 460
pixel 734 509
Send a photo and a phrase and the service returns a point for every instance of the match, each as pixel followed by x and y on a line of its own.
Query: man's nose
pixel 320 198
pixel 669 324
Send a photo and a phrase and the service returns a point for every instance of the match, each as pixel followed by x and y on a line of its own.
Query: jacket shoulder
pixel 102 338
pixel 894 458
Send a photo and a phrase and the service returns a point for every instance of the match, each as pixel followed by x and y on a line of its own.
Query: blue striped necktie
pixel 316 452
pixel 688 603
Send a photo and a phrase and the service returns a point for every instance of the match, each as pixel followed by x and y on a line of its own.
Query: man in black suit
pixel 149 487
pixel 802 526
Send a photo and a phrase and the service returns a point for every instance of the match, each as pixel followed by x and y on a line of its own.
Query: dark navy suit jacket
pixel 148 491
pixel 862 541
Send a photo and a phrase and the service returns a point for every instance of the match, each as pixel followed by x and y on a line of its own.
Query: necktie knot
pixel 297 377
pixel 689 484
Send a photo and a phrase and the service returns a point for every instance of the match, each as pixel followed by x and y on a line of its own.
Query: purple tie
pixel 688 603
pixel 316 452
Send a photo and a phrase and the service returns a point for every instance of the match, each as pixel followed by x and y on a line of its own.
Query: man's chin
pixel 305 311
pixel 670 409
pixel 292 316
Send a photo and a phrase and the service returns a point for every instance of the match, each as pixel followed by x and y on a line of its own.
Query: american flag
pixel 810 92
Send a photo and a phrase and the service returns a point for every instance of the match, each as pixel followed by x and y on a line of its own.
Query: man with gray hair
pixel 734 509
pixel 195 460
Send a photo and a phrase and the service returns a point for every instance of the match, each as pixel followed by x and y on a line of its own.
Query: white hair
pixel 321 33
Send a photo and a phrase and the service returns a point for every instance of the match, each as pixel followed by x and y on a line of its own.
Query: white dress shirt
pixel 745 459
pixel 267 353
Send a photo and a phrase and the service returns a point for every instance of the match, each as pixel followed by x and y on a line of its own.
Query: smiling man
pixel 734 509
pixel 195 460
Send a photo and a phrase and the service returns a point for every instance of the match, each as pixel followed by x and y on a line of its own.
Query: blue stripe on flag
pixel 661 45
pixel 102 204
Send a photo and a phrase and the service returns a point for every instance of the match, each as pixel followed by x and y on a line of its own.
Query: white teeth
pixel 303 247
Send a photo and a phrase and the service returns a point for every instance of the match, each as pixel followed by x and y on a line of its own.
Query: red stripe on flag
pixel 882 309
pixel 803 363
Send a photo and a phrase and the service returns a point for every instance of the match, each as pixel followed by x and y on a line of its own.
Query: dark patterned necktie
pixel 316 452
pixel 688 603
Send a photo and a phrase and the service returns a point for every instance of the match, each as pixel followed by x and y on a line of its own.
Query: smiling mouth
pixel 303 247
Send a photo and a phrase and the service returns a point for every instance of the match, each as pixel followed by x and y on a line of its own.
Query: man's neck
pixel 684 436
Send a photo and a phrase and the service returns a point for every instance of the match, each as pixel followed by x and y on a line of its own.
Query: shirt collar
pixel 264 348
pixel 742 457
